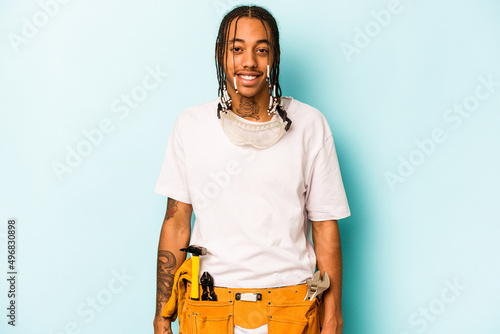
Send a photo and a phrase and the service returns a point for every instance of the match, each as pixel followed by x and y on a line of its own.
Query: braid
pixel 220 52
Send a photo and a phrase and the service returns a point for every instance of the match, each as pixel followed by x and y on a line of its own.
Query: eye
pixel 236 49
pixel 262 50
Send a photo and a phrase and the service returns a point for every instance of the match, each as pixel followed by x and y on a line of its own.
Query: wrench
pixel 316 285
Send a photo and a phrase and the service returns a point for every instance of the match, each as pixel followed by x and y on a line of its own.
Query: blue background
pixel 435 225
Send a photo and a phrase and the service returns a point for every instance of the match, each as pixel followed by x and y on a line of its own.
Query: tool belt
pixel 283 309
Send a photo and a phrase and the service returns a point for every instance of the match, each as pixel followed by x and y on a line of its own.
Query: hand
pixel 162 325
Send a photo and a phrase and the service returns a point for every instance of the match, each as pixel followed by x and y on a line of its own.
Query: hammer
pixel 195 251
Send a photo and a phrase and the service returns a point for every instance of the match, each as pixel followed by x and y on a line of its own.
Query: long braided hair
pixel 220 50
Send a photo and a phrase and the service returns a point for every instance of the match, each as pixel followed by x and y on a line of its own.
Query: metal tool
pixel 207 285
pixel 196 252
pixel 213 296
pixel 204 286
pixel 316 285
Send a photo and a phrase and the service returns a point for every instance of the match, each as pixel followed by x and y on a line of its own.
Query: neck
pixel 253 108
pixel 249 108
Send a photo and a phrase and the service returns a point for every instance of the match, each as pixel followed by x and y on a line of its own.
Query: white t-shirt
pixel 252 205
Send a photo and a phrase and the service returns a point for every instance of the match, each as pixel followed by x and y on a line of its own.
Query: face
pixel 247 60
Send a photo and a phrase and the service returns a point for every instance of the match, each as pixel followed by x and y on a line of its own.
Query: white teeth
pixel 248 77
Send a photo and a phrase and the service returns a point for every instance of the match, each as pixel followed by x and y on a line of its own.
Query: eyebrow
pixel 243 41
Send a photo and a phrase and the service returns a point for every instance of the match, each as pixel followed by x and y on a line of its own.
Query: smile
pixel 248 79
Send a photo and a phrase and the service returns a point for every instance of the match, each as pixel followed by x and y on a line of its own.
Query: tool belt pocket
pixel 294 318
pixel 206 317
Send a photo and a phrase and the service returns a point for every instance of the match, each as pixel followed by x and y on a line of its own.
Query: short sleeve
pixel 172 181
pixel 325 194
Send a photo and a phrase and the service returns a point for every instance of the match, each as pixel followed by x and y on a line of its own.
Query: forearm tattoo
pixel 171 208
pixel 164 278
pixel 248 108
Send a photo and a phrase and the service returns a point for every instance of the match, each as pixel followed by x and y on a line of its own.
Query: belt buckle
pixel 248 297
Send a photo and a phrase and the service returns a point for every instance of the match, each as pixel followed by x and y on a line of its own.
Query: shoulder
pixel 197 117
pixel 199 112
pixel 307 118
pixel 297 106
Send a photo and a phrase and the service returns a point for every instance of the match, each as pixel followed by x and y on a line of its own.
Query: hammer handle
pixel 195 274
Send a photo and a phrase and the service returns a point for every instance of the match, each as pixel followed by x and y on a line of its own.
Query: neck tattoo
pixel 248 108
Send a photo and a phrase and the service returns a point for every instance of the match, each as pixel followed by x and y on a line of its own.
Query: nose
pixel 249 59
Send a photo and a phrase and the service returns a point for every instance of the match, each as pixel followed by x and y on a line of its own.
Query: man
pixel 256 183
